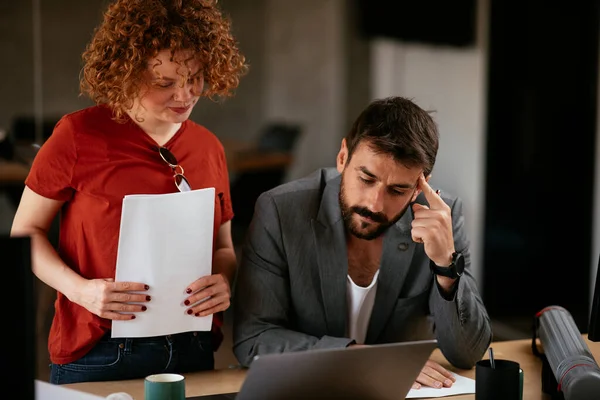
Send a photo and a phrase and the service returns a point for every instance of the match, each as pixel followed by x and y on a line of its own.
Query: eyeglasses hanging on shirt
pixel 180 180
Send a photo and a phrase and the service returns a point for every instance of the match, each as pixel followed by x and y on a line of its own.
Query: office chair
pixel 247 186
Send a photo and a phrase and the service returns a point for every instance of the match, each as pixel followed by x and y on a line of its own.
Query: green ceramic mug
pixel 164 387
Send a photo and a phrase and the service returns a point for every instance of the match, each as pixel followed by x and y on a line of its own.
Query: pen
pixel 491 351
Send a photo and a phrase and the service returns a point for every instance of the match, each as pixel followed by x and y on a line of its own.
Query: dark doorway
pixel 542 86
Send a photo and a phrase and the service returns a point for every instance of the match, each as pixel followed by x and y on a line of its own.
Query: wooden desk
pixel 244 157
pixel 252 161
pixel 12 173
pixel 228 381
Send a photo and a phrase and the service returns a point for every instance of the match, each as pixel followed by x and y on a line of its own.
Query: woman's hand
pixel 208 295
pixel 112 300
pixel 434 375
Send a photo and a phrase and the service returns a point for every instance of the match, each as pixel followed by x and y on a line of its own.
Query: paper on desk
pixel 463 385
pixel 48 391
pixel 166 242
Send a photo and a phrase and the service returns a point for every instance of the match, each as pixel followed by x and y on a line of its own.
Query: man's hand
pixel 434 375
pixel 209 294
pixel 112 300
pixel 432 226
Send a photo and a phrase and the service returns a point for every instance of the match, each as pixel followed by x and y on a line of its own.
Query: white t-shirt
pixel 360 305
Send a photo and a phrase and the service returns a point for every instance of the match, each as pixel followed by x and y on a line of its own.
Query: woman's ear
pixel 342 157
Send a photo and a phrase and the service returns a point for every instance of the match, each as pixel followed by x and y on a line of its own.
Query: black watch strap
pixel 454 270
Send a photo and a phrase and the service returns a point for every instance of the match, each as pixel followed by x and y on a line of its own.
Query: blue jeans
pixel 121 358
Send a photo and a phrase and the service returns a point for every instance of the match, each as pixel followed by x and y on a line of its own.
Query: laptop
pixel 377 372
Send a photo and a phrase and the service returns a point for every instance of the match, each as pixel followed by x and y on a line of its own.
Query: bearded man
pixel 366 253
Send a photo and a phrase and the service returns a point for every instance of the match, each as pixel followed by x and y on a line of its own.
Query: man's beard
pixel 381 222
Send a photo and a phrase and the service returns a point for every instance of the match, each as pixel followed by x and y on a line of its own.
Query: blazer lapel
pixel 398 249
pixel 332 258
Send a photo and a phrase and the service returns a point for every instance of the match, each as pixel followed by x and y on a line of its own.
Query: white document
pixel 48 391
pixel 166 242
pixel 463 385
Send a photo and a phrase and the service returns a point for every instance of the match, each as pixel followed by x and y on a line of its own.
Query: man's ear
pixel 419 190
pixel 342 157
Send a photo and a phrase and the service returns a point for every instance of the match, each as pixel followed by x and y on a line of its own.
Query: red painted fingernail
pixel 190 311
pixel 144 308
pixel 188 290
pixel 146 287
pixel 133 317
pixel 148 298
pixel 187 302
pixel 438 191
pixel 197 314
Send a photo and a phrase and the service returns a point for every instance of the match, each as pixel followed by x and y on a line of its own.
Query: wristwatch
pixel 454 270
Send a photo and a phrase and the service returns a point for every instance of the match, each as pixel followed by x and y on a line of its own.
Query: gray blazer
pixel 290 293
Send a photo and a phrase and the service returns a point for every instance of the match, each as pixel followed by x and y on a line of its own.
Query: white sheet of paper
pixel 463 385
pixel 166 242
pixel 48 391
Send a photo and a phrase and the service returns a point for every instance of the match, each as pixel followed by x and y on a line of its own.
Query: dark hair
pixel 134 31
pixel 398 127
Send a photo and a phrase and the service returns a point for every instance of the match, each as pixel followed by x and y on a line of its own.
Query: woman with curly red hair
pixel 146 67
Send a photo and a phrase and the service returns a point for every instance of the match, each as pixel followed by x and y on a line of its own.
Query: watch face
pixel 459 264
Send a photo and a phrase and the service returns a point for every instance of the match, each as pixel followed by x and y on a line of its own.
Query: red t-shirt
pixel 91 162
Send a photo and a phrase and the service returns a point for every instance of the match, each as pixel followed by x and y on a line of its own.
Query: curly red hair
pixel 134 31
